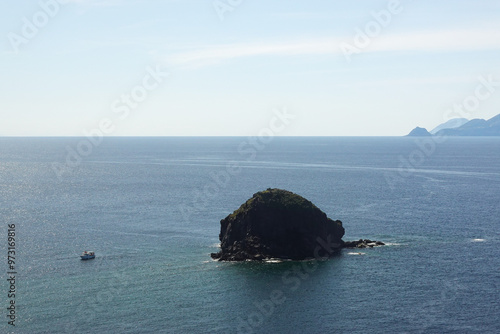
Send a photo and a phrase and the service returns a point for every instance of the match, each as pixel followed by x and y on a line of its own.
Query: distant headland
pixel 462 127
pixel 279 224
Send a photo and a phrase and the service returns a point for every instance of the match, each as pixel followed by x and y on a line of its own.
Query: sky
pixel 229 67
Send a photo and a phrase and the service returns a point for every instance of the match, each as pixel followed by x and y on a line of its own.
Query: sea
pixel 150 208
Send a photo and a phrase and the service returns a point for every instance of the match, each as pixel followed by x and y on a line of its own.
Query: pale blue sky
pixel 226 76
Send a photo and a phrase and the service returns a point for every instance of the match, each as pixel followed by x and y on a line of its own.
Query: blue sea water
pixel 150 209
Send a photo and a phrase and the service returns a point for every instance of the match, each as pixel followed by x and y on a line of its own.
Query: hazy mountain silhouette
pixel 450 124
pixel 419 132
pixel 475 127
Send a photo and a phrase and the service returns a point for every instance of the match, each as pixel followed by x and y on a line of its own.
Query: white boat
pixel 87 255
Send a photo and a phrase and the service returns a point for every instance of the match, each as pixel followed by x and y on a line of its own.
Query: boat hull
pixel 87 255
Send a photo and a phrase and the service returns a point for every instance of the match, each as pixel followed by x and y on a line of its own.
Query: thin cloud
pixel 455 40
pixel 432 80
pixel 431 41
pixel 97 3
pixel 108 3
pixel 216 54
pixel 312 15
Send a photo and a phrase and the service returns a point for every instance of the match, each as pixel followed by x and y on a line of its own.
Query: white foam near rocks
pixel 393 244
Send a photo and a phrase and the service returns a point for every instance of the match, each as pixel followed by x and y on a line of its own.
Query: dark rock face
pixel 278 224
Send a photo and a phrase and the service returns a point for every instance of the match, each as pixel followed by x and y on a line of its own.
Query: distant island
pixel 279 224
pixel 419 132
pixel 462 127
